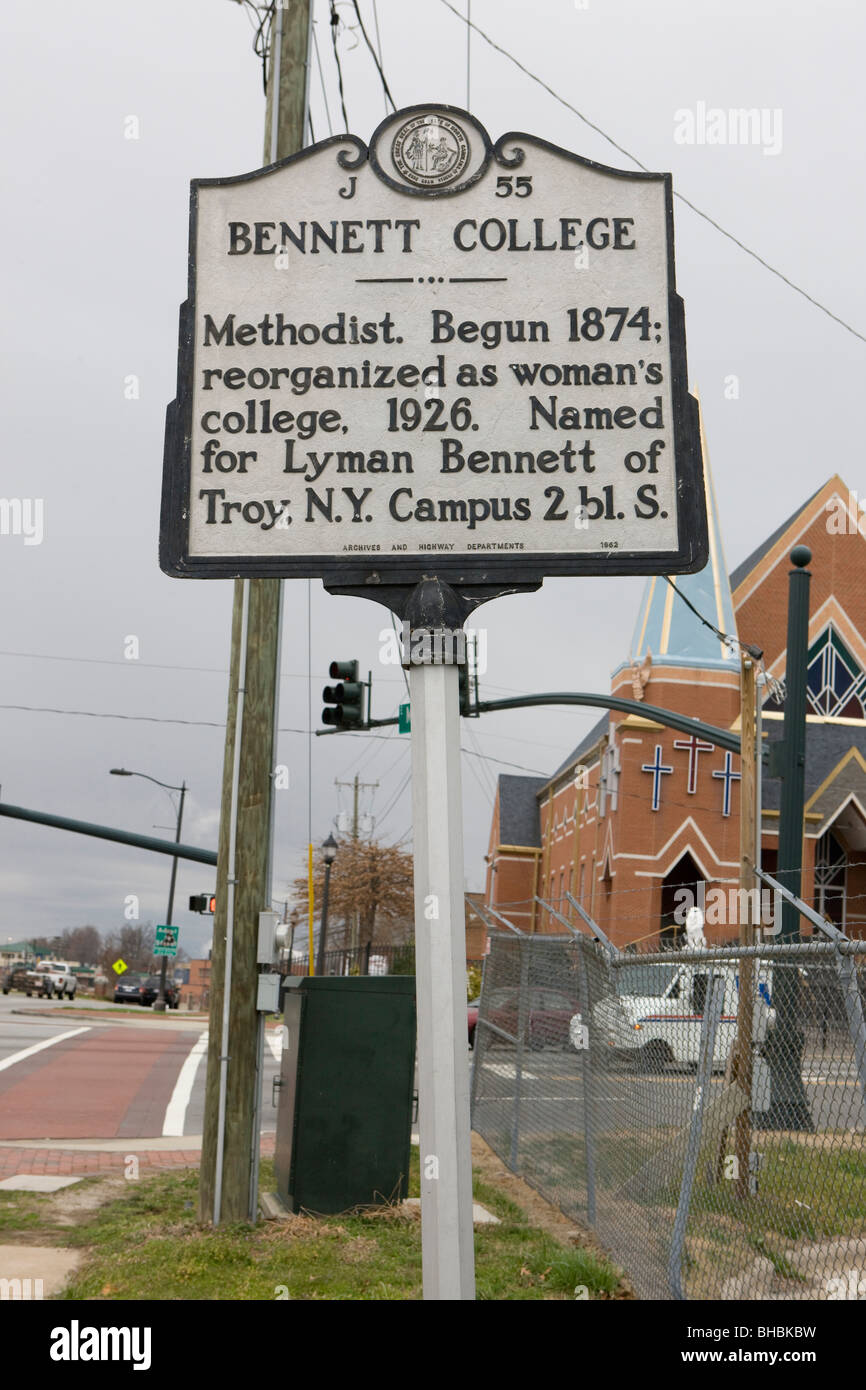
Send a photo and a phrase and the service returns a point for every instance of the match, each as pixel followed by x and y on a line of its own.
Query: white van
pixel 658 1011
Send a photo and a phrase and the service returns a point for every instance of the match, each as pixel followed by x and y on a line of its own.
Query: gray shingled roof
pixel 588 741
pixel 739 574
pixel 518 809
pixel 826 745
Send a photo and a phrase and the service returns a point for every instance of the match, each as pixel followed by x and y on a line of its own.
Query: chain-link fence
pixel 702 1110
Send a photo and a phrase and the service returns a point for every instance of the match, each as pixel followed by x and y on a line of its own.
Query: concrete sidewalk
pixel 94 1157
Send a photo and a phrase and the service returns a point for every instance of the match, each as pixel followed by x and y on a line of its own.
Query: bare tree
pixel 133 944
pixel 81 943
pixel 371 887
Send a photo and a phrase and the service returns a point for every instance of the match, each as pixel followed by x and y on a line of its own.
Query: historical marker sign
pixel 432 355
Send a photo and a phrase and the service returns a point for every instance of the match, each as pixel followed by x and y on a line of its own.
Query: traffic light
pixel 203 902
pixel 468 674
pixel 463 672
pixel 347 697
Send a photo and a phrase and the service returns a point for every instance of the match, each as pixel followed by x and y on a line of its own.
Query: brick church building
pixel 638 811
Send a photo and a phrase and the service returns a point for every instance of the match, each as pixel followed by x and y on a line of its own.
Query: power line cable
pixel 386 89
pixel 132 718
pixel 483 788
pixel 378 41
pixel 261 19
pixel 335 20
pixel 485 772
pixel 322 81
pixel 396 797
pixel 633 157
pixel 162 666
pixel 747 647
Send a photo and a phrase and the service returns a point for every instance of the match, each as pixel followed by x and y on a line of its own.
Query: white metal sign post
pixel 440 956
pixel 431 370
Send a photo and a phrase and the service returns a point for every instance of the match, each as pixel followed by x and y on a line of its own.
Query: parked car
pixel 144 989
pixel 472 1019
pixel 547 1018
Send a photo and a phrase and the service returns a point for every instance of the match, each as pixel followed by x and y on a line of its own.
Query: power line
pixel 335 20
pixel 164 666
pixel 322 81
pixel 491 758
pixel 133 718
pixel 378 39
pixel 725 637
pixel 395 798
pixel 260 18
pixel 214 724
pixel 464 19
pixel 386 89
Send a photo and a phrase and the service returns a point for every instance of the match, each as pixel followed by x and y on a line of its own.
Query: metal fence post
pixel 523 1023
pixel 587 1068
pixel 712 1014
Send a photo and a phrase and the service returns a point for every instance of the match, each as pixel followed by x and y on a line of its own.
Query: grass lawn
pixel 148 1243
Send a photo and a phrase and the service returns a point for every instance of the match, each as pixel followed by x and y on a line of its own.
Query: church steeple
pixel 666 626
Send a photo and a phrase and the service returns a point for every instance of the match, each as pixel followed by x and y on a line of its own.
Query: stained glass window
pixel 836 685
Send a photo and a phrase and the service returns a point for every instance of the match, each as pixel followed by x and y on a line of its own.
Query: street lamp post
pixel 159 1003
pixel 329 854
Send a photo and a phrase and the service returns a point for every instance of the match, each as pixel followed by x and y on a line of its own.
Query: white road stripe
pixel 175 1115
pixel 37 1047
pixel 508 1070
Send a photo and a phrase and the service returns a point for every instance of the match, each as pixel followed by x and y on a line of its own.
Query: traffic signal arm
pixel 722 738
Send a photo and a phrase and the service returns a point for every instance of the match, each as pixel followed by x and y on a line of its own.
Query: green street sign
pixel 405 723
pixel 166 941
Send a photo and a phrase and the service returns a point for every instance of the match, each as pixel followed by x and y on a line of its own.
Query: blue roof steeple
pixel 667 627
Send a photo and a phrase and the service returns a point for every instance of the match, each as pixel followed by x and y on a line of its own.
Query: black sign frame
pixel 479 571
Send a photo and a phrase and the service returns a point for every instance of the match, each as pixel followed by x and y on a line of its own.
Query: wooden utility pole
pixel 356 786
pixel 230 1143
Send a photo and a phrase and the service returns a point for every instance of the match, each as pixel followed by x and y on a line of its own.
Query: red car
pixel 472 1018
pixel 548 1015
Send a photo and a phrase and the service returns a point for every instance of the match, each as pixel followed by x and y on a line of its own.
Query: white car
pixel 658 1011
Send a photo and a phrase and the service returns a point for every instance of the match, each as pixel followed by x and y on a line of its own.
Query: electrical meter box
pixel 344 1118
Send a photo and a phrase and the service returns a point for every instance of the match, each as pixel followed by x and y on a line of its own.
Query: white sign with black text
pixel 432 348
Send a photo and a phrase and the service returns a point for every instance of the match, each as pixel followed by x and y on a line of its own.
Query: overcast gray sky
pixel 94 253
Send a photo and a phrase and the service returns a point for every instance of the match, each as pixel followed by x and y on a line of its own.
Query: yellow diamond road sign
pixel 119 966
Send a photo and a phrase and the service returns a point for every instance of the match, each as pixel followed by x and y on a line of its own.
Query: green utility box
pixel 344 1119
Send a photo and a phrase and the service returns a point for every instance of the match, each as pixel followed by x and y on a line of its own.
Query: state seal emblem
pixel 430 151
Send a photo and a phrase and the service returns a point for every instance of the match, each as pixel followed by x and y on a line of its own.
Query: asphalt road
pixel 105 1076
pixel 551 1096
